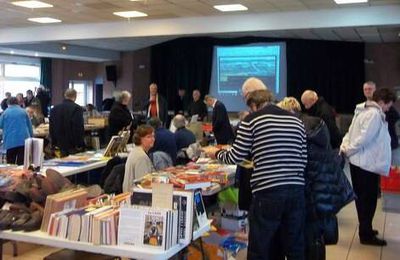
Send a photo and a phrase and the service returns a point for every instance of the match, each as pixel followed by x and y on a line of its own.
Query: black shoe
pixel 373 241
pixel 375 232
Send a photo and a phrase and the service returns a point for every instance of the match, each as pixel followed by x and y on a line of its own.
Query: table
pixel 72 170
pixel 43 129
pixel 38 237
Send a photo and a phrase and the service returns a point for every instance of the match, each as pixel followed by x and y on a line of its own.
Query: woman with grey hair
pixel 120 117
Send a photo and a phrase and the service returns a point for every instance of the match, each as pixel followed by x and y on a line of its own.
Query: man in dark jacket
pixel 392 116
pixel 157 105
pixel 197 107
pixel 222 128
pixel 165 139
pixel 318 107
pixel 120 116
pixel 183 136
pixel 44 99
pixel 30 99
pixel 66 125
pixel 181 104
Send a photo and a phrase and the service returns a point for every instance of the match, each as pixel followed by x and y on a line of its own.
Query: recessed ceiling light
pixel 130 14
pixel 44 20
pixel 231 8
pixel 32 4
pixel 36 54
pixel 11 52
pixel 343 2
pixel 64 48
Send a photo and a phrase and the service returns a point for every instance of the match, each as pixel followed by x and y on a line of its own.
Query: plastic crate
pixel 391 183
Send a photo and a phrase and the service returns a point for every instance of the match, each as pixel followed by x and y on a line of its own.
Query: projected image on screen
pixel 233 65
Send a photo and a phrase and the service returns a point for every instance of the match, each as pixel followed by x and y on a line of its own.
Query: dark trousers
pixel 365 185
pixel 277 217
pixel 16 155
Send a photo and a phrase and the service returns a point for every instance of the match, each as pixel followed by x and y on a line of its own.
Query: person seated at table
pixel 183 136
pixel 165 139
pixel 91 111
pixel 35 115
pixel 138 163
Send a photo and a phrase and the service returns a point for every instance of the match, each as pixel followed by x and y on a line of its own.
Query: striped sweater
pixel 276 141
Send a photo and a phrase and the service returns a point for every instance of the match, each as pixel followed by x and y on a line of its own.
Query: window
pixel 17 75
pixel 84 91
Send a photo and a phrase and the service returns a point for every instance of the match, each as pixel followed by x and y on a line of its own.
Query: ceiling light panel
pixel 231 8
pixel 343 2
pixel 130 14
pixel 44 20
pixel 32 4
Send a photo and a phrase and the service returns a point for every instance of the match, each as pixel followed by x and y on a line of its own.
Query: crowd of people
pixel 19 115
pixel 291 149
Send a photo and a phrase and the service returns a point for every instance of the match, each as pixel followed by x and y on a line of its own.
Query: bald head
pixel 179 121
pixel 309 98
pixel 252 84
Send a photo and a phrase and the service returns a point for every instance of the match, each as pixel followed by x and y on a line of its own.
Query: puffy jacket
pixel 367 143
pixel 327 187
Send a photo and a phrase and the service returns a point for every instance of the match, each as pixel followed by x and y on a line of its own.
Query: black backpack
pixel 113 183
pixel 107 170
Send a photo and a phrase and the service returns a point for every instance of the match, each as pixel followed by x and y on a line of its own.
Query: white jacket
pixel 367 143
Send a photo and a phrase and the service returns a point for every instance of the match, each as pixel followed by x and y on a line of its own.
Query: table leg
pixel 201 248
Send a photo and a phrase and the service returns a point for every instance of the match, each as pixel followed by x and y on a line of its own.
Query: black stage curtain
pixel 45 73
pixel 335 70
pixel 183 63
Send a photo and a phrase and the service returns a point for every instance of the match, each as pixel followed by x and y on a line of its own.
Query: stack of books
pixel 70 199
pixel 95 223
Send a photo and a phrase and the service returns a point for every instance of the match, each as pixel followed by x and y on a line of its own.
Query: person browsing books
pixel 276 141
pixel 138 163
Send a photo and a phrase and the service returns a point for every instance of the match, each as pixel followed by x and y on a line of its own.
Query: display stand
pixel 42 238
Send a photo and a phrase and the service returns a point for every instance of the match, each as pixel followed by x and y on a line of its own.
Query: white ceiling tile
pixel 383 2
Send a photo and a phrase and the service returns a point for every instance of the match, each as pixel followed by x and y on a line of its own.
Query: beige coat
pixel 137 165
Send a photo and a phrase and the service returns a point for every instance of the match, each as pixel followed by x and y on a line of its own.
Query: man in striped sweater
pixel 276 141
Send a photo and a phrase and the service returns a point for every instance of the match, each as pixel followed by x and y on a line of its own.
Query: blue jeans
pixel 277 217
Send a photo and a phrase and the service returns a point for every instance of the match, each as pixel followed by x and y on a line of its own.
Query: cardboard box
pixel 233 224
